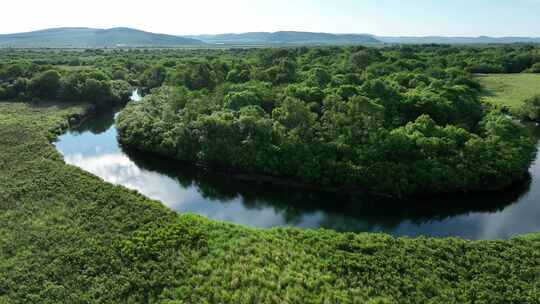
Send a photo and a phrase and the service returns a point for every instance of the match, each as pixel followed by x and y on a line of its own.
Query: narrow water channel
pixel 94 147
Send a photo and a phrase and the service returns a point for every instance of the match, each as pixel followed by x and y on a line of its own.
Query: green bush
pixel 531 109
pixel 68 236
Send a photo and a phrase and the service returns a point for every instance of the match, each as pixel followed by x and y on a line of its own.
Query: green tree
pixel 154 76
pixel 531 108
pixel 46 85
pixel 97 92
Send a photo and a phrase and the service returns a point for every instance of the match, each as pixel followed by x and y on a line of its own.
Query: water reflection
pixel 135 96
pixel 94 147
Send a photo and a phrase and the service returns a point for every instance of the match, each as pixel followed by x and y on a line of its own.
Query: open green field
pixel 510 90
pixel 68 237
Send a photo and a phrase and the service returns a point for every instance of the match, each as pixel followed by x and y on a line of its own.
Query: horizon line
pixel 273 32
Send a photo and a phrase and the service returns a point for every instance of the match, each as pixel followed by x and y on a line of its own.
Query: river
pixel 94 147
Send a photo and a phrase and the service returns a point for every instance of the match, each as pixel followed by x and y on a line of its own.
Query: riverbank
pixel 94 147
pixel 295 184
pixel 67 236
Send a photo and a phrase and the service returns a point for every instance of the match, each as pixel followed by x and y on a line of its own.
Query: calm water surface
pixel 94 148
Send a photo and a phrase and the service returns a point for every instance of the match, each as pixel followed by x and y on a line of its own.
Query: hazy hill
pixel 126 37
pixel 93 38
pixel 306 38
pixel 297 38
pixel 457 40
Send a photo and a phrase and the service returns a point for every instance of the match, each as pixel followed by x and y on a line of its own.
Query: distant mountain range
pixel 128 37
pixel 279 38
pixel 92 38
pixel 265 38
pixel 458 40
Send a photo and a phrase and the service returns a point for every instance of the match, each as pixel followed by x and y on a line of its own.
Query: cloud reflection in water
pixel 94 148
pixel 120 170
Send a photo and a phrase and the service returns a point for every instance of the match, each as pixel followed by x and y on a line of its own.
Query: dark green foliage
pixel 531 109
pixel 60 226
pixel 96 88
pixel 535 68
pixel 120 92
pixel 93 90
pixel 407 122
pixel 46 85
pixel 239 74
pixel 154 77
pixel 55 80
pixel 393 121
pixel 67 236
pixel 195 76
pixel 363 58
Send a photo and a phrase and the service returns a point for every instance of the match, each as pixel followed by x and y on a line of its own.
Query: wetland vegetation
pixel 69 236
pixel 399 122
pixel 518 94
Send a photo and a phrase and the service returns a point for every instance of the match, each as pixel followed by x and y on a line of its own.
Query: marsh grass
pixel 66 236
pixel 510 90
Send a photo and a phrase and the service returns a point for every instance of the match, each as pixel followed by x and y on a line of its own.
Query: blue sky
pixel 380 17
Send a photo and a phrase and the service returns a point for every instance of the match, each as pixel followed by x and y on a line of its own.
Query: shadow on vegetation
pixel 98 123
pixel 342 212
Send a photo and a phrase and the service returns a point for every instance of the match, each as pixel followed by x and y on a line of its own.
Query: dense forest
pixel 531 109
pixel 66 77
pixel 395 121
pixel 68 236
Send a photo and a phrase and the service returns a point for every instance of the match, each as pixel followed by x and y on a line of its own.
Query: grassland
pixel 510 90
pixel 68 237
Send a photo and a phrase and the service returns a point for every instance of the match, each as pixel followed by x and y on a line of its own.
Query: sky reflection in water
pixel 94 148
